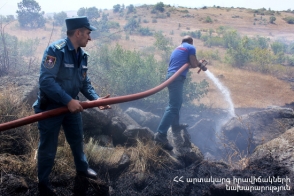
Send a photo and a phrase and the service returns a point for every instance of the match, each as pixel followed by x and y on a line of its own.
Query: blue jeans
pixel 49 131
pixel 171 116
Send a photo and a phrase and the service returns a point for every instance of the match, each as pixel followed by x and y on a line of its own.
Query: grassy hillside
pixel 248 87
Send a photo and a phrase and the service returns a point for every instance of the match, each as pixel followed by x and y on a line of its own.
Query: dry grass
pixel 17 145
pixel 144 157
pixel 147 157
pixel 247 88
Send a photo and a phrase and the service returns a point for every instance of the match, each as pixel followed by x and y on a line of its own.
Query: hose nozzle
pixel 202 66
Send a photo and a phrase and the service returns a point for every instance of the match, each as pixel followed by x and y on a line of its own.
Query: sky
pixel 9 7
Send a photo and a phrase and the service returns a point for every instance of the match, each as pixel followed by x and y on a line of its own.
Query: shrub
pixel 278 47
pixel 159 6
pixel 210 54
pixel 263 58
pixel 272 19
pixel 113 25
pixel 289 19
pixel 128 72
pixel 28 47
pixel 214 41
pixel 59 18
pixel 131 25
pixel 239 54
pixel 145 31
pixel 290 49
pixel 131 8
pixel 208 19
pixel 291 60
pixel 196 34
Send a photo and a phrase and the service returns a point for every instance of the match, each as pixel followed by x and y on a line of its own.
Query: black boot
pixel 45 190
pixel 161 140
pixel 89 173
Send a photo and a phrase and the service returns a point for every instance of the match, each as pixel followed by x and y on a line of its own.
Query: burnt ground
pixel 162 182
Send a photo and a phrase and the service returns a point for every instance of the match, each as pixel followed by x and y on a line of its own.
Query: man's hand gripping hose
pixel 202 65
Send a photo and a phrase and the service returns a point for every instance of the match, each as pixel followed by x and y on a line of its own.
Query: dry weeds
pixel 145 157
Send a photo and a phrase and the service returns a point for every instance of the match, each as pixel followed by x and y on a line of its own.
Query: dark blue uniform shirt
pixel 63 73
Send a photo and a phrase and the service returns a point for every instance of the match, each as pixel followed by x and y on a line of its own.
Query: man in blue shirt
pixel 63 75
pixel 185 53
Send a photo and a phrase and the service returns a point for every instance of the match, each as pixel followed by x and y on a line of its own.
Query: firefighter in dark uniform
pixel 63 75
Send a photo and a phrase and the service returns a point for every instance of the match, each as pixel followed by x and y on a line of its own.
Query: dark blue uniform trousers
pixel 49 131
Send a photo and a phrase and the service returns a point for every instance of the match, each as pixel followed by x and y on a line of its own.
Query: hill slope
pixel 248 89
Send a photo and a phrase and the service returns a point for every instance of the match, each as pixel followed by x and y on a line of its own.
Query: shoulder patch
pixel 49 62
pixel 60 45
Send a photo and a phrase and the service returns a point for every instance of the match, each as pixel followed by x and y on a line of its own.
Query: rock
pixel 133 133
pixel 203 135
pixel 116 129
pixel 184 150
pixel 104 140
pixel 256 128
pixel 114 160
pixel 145 119
pixel 14 184
pixel 280 149
pixel 95 120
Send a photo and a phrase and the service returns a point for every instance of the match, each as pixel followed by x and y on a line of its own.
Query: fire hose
pixel 90 104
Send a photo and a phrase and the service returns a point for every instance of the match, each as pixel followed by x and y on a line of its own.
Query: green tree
pixel 81 12
pixel 278 47
pixel 231 39
pixel 263 58
pixel 116 8
pixel 159 6
pixel 132 25
pixel 272 19
pixel 29 14
pixel 92 13
pixel 164 44
pixel 59 18
pixel 240 54
pixel 130 8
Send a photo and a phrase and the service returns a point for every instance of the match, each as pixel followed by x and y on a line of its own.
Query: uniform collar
pixel 71 47
pixel 69 44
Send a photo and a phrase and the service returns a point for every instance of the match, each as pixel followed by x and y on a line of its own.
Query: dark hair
pixel 70 33
pixel 187 39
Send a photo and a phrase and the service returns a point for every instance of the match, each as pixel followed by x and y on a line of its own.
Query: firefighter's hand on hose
pixel 104 107
pixel 74 106
pixel 202 65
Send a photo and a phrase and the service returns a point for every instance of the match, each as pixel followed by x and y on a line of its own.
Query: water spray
pixel 224 91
